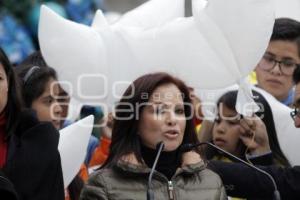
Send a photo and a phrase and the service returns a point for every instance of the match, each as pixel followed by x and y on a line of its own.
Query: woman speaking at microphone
pixel 155 108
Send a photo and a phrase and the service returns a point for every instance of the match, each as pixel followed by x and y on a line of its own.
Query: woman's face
pixel 226 130
pixel 163 118
pixel 3 88
pixel 46 105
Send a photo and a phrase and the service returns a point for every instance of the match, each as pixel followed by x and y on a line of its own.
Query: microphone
pixel 189 147
pixel 159 147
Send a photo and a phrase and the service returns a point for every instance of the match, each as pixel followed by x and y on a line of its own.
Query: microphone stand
pixel 188 147
pixel 150 196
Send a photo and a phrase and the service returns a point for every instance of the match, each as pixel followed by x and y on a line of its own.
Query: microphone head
pixel 186 147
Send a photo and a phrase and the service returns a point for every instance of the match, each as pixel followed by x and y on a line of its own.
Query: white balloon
pixel 288 9
pixel 153 13
pixel 100 21
pixel 217 47
pixel 72 54
pixel 74 109
pixel 112 17
pixel 72 147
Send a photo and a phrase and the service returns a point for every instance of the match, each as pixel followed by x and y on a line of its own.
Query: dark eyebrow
pixel 289 59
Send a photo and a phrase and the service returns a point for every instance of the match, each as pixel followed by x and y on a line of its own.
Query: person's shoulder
pixel 30 128
pixel 210 178
pixel 101 177
pixel 101 172
pixel 7 190
pixel 28 120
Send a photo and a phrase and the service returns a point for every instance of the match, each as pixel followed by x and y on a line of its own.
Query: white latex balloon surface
pixel 215 48
pixel 72 147
pixel 288 9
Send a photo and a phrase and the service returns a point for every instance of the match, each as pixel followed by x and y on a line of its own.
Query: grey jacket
pixel 128 180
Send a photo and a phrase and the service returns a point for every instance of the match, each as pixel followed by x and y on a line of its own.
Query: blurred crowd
pixel 19 22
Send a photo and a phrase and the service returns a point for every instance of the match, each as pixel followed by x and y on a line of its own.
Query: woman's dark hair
pixel 14 100
pixel 265 113
pixel 75 188
pixel 125 137
pixel 35 58
pixel 33 81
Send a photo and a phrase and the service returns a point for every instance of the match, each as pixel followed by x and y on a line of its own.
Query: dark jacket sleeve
pixel 7 190
pixel 262 160
pixel 245 182
pixel 33 163
pixel 287 180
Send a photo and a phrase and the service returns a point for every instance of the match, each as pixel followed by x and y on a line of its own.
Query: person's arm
pixel 262 159
pixel 101 152
pixel 287 180
pixel 254 135
pixel 242 181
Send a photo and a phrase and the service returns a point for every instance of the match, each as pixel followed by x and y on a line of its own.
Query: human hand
pixel 254 135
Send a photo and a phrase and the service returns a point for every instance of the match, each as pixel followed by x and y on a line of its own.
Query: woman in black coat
pixel 29 155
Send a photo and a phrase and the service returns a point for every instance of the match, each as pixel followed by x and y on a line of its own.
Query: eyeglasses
pixel 286 67
pixel 295 113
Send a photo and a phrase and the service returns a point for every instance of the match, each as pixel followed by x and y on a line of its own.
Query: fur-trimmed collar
pixel 190 163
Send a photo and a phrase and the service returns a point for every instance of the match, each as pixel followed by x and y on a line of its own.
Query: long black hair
pixel 14 103
pixel 125 132
pixel 265 113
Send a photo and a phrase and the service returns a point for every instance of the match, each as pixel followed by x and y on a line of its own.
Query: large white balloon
pixel 72 147
pixel 288 9
pixel 217 47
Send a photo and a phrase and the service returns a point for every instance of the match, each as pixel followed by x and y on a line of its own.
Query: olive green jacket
pixel 128 180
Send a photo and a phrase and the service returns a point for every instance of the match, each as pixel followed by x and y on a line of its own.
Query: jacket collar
pixel 191 163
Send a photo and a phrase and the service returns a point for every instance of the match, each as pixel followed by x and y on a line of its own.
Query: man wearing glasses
pixel 242 181
pixel 274 71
